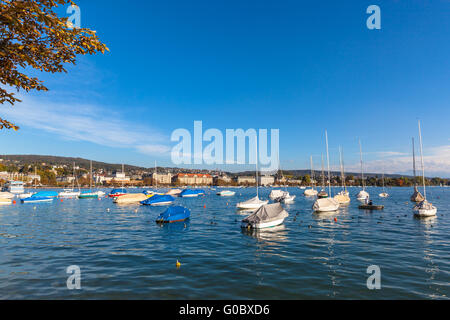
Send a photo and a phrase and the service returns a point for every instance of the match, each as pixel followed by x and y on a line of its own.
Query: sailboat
pixel 363 195
pixel 26 195
pixel 343 196
pixel 384 194
pixel 117 192
pixel 424 208
pixel 311 192
pixel 90 194
pixel 254 203
pixel 322 194
pixel 71 193
pixel 416 196
pixel 326 204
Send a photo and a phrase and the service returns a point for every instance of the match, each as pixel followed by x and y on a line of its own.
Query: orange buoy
pixel 204 206
pixel 335 219
pixel 14 202
pixel 62 200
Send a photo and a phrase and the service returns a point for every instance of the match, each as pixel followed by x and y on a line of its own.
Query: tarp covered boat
pixel 189 193
pixel 117 192
pixel 158 200
pixel 267 216
pixel 174 214
pixel 36 199
pixel 326 205
pixel 131 198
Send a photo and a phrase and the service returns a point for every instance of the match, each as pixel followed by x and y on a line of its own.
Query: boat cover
pixel 131 197
pixel 175 213
pixel 45 194
pixel 324 203
pixel 267 213
pixel 119 190
pixel 158 199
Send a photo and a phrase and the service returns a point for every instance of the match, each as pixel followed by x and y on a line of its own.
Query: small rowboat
pixel 371 207
pixel 174 214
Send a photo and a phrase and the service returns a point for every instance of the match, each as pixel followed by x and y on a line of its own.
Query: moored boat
pixel 267 216
pixel 158 200
pixel 131 198
pixel 174 214
pixel 254 203
pixel 117 192
pixel 424 208
pixel 326 204
pixel 226 193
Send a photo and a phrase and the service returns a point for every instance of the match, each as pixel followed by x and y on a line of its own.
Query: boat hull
pixel 425 212
pixel 36 200
pixel 263 225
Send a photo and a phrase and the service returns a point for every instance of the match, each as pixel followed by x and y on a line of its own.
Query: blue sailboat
pixel 158 200
pixel 174 214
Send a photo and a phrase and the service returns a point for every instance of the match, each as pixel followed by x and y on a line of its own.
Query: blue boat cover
pixel 45 194
pixel 158 199
pixel 118 190
pixel 175 213
pixel 190 192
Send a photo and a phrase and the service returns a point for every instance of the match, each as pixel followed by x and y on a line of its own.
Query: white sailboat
pixel 326 204
pixel 71 193
pixel 343 196
pixel 254 203
pixel 384 194
pixel 363 195
pixel 416 196
pixel 424 208
pixel 311 192
pixel 322 193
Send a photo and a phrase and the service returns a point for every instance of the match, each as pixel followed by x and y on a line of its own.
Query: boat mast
pixel 156 178
pixel 123 173
pixel 312 174
pixel 35 177
pixel 414 163
pixel 362 168
pixel 90 175
pixel 342 168
pixel 423 167
pixel 323 175
pixel 328 164
pixel 257 189
pixel 73 173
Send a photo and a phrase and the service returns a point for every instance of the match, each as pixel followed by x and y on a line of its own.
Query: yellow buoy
pixel 178 264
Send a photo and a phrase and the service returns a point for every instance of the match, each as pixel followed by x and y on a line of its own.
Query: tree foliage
pixel 33 36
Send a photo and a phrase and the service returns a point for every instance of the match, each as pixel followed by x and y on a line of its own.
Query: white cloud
pixel 89 123
pixel 436 161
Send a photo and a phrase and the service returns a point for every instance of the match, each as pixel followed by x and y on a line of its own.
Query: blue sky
pixel 298 66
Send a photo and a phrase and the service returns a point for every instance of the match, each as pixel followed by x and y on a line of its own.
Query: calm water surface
pixel 124 254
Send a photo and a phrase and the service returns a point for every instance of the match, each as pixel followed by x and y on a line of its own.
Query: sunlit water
pixel 124 254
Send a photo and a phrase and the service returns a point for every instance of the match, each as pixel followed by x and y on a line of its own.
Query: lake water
pixel 124 254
